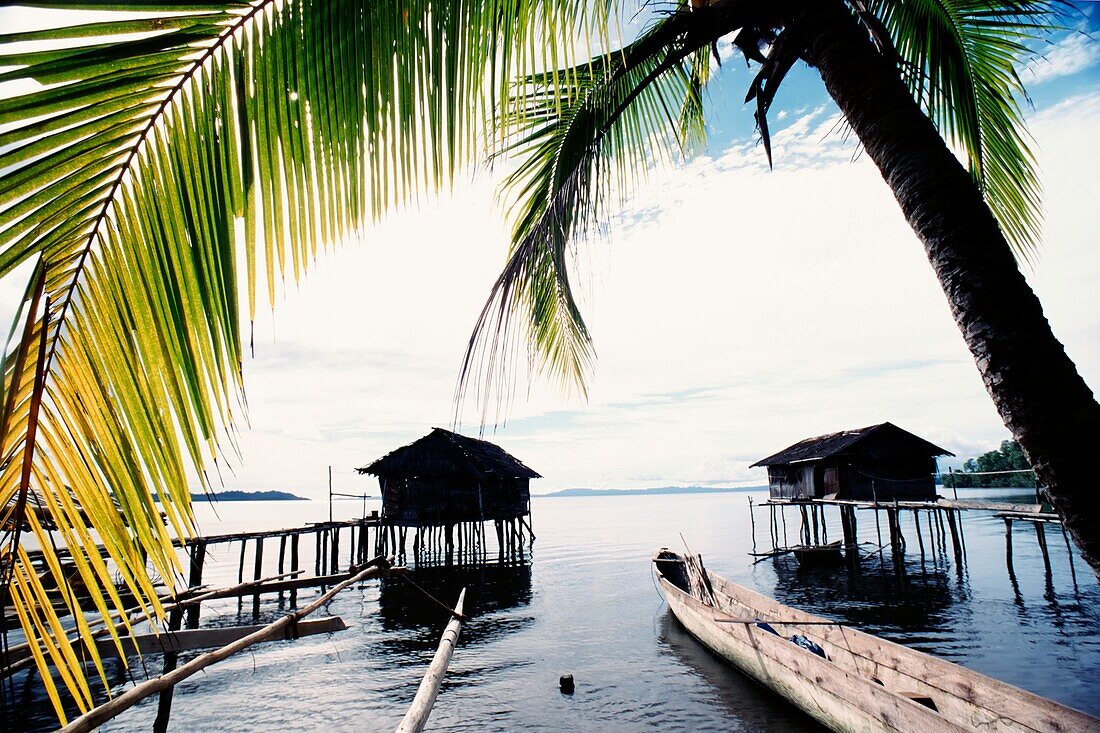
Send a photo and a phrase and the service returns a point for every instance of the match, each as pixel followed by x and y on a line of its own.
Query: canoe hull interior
pixel 865 683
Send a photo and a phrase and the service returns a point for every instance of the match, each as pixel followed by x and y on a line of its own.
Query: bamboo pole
pixel 22 658
pixel 421 707
pixel 96 717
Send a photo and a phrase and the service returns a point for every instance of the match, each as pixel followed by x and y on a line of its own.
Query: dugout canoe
pixel 851 682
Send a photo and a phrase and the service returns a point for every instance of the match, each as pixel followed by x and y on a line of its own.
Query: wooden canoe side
pixel 961 694
pixel 834 697
pixel 965 699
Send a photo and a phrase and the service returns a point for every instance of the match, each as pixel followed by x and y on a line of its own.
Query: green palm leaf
pixel 153 155
pixel 961 58
pixel 581 135
pixel 584 132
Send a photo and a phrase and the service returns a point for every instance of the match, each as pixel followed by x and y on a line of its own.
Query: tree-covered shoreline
pixel 988 470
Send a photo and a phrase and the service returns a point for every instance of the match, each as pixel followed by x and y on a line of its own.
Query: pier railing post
pixel 198 558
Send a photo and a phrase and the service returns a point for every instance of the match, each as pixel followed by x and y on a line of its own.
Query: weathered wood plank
pixel 192 639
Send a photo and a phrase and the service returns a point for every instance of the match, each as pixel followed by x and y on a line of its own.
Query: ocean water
pixel 585 604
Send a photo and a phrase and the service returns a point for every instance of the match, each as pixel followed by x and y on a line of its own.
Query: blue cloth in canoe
pixel 808 645
pixel 766 627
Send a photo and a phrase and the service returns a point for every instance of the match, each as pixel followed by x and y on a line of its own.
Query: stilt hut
pixel 877 463
pixel 446 480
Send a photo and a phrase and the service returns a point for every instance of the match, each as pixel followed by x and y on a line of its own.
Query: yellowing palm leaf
pixel 157 147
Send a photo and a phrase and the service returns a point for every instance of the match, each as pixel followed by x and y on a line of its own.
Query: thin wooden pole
pixel 1041 536
pixel 955 538
pixel 1069 553
pixel 294 567
pixel 258 574
pixel 421 707
pixel 773 527
pixel 920 540
pixel 96 717
pixel 164 704
pixel 198 557
pixel 752 519
pixel 240 568
pixel 282 558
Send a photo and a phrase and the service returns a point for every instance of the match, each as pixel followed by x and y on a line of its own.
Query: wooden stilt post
pixel 920 540
pixel 851 549
pixel 294 567
pixel 773 527
pixel 164 703
pixel 240 568
pixel 1041 536
pixel 955 538
pixel 198 557
pixel 334 565
pixel 317 555
pixel 932 531
pixel 258 574
pixel 282 559
pixel 895 543
pixel 878 532
pixel 1069 554
pixel 1008 542
pixel 752 520
pixel 783 516
pixel 962 535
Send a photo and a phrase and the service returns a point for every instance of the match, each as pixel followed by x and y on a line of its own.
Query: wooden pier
pixel 937 528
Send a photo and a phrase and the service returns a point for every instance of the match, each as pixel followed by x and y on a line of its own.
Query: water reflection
pixel 494 592
pixel 748 705
pixel 873 596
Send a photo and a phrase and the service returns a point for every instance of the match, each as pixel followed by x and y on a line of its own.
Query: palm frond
pixel 582 135
pixel 150 155
pixel 961 59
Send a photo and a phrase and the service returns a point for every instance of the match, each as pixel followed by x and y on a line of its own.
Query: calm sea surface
pixel 586 604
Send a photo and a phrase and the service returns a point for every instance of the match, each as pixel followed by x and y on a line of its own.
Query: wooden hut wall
pixel 442 500
pixel 902 478
pixel 791 482
pixel 412 502
pixel 506 498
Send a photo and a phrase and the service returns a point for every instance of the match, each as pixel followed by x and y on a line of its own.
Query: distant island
pixel 247 496
pixel 652 492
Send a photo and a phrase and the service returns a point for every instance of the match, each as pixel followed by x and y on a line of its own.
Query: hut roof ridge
pixel 823 446
pixel 479 457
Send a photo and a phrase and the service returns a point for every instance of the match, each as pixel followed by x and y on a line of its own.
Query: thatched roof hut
pixel 445 478
pixel 877 463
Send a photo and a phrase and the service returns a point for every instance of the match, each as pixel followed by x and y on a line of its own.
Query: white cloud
pixel 735 310
pixel 1071 54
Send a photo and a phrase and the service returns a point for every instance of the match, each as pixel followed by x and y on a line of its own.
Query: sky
pixel 735 310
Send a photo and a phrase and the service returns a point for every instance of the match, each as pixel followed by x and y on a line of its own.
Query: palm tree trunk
pixel 1034 385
